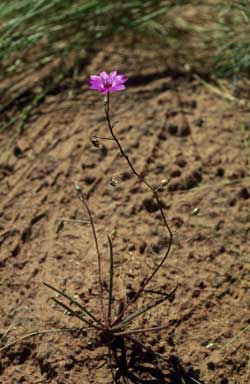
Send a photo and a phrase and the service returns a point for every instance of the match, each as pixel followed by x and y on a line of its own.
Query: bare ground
pixel 172 127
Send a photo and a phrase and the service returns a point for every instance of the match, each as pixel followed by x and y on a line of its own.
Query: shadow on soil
pixel 140 367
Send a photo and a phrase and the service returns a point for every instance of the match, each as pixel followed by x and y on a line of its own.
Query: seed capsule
pixel 114 183
pixel 95 141
pixel 195 211
pixel 164 182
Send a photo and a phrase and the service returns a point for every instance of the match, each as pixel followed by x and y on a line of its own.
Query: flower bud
pixel 113 182
pixel 164 182
pixel 195 211
pixel 78 188
pixel 95 141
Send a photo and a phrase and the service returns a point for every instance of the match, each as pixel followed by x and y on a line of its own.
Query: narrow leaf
pixel 111 274
pixel 131 317
pixel 73 313
pixel 74 302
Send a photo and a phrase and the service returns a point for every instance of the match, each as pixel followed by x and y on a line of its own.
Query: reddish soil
pixel 172 127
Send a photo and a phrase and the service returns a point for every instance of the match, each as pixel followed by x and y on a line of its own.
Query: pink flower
pixel 105 83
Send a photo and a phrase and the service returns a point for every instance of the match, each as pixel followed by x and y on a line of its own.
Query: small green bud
pixel 114 183
pixel 78 188
pixel 95 141
pixel 66 313
pixel 164 182
pixel 195 211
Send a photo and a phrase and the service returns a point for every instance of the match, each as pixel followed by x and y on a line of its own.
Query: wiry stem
pixel 111 273
pixel 83 199
pixel 140 330
pixel 37 333
pixel 155 195
pixel 140 311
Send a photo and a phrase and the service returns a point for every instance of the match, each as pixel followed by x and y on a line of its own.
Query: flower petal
pixel 95 87
pixel 95 81
pixel 94 78
pixel 112 76
pixel 118 87
pixel 121 79
pixel 104 76
pixel 105 82
pixel 104 91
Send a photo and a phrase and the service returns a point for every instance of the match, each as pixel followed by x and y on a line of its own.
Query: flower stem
pixel 155 195
pixel 84 201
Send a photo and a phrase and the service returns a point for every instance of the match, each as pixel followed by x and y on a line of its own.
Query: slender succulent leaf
pixel 73 313
pixel 111 273
pixel 88 313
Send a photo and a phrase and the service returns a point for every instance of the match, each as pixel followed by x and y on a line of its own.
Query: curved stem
pixel 31 334
pixel 111 275
pixel 83 200
pixel 155 195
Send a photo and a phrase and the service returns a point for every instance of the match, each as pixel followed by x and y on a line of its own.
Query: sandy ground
pixel 171 127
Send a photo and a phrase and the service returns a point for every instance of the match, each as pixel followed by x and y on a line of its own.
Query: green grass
pixel 37 31
pixel 232 56
pixel 34 33
pixel 48 28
